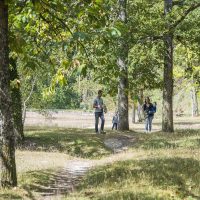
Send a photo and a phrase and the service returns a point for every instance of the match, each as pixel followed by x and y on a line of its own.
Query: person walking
pixel 149 109
pixel 115 121
pixel 99 112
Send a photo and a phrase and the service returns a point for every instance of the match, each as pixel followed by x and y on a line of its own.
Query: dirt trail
pixel 66 180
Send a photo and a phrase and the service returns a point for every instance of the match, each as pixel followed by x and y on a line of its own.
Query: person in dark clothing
pixel 149 109
pixel 100 108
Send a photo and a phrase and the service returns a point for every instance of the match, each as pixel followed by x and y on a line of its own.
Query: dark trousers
pixel 148 123
pixel 97 116
pixel 114 126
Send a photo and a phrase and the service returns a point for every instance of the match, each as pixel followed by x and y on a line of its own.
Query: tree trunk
pixel 139 112
pixel 167 111
pixel 140 104
pixel 141 97
pixel 122 63
pixel 7 146
pixel 195 111
pixel 16 101
pixel 27 99
pixel 133 114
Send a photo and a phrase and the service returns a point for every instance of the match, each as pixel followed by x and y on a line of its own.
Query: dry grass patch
pixel 33 161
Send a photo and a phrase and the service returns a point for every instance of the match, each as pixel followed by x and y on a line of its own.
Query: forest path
pixel 66 180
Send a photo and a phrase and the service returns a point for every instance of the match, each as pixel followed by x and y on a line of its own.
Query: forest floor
pixel 78 164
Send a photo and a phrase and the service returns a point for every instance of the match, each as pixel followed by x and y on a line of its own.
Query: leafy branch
pixel 182 18
pixel 66 27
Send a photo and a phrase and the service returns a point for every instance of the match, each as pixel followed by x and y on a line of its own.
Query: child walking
pixel 115 121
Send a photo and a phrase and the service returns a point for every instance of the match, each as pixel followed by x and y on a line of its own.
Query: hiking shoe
pixel 103 132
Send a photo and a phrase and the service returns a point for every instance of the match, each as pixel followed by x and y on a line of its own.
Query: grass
pixel 157 166
pixel 163 167
pixel 74 142
pixel 160 178
pixel 34 161
pixel 146 179
pixel 45 152
pixel 180 139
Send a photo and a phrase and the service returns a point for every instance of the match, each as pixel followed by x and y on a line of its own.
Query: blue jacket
pixel 149 111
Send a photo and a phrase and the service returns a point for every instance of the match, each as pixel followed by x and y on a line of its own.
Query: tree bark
pixel 133 114
pixel 16 101
pixel 195 110
pixel 140 104
pixel 7 146
pixel 167 111
pixel 122 63
pixel 26 100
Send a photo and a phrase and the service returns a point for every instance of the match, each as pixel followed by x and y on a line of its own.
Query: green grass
pixel 30 184
pixel 75 142
pixel 163 167
pixel 159 166
pixel 161 178
pixel 179 139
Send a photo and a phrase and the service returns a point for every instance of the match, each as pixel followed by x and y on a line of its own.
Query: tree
pixel 167 116
pixel 7 146
pixel 122 63
pixel 145 67
pixel 173 24
pixel 193 73
pixel 195 109
pixel 16 99
pixel 187 72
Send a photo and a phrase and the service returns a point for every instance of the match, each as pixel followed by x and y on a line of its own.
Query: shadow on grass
pixel 10 196
pixel 183 122
pixel 182 176
pixel 16 194
pixel 84 143
pixel 76 142
pixel 186 123
pixel 128 195
pixel 52 183
pixel 155 144
pixel 180 138
pixel 186 132
pixel 45 183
